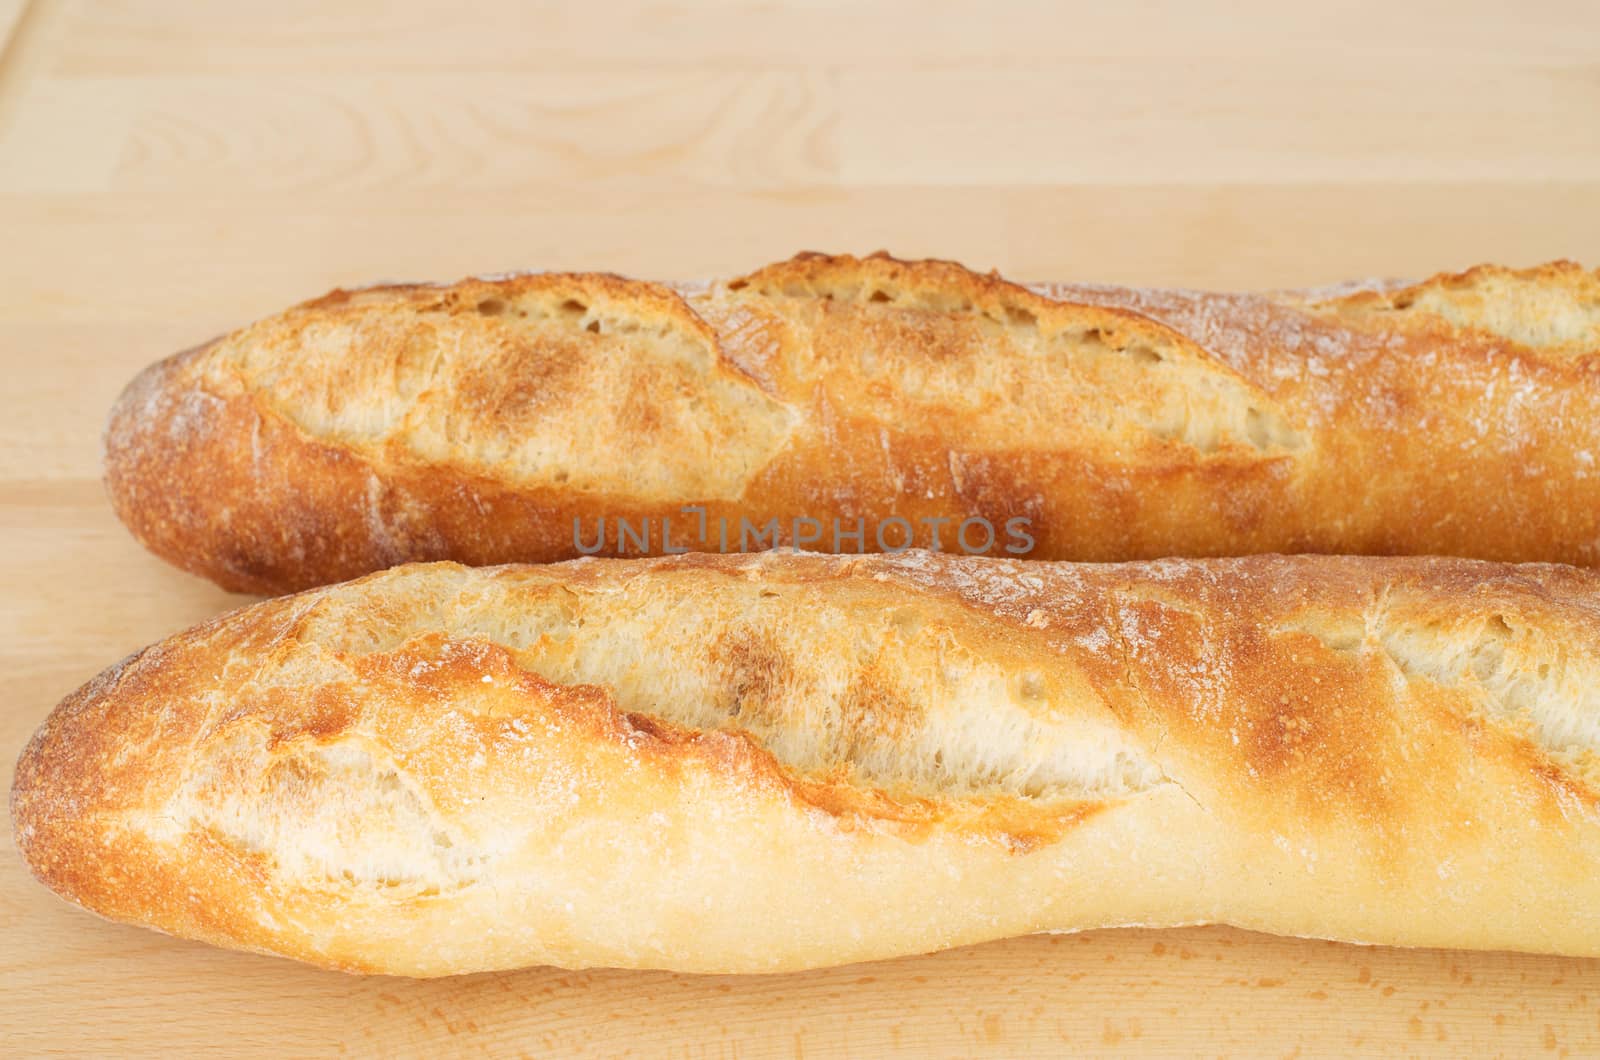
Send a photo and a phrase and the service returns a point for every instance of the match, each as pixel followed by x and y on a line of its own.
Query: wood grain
pixel 169 170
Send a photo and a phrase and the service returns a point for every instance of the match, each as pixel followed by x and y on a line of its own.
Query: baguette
pixel 784 761
pixel 853 405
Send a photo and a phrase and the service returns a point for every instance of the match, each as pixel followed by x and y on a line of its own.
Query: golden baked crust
pixel 737 764
pixel 478 421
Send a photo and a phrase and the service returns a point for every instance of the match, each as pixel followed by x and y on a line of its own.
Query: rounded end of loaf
pixel 29 783
pixel 160 482
pixel 64 799
pixel 208 481
pixel 98 814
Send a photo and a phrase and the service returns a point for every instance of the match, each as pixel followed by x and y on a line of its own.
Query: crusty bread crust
pixel 478 421
pixel 740 764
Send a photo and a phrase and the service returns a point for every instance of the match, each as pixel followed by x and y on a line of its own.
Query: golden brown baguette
pixel 478 421
pixel 741 764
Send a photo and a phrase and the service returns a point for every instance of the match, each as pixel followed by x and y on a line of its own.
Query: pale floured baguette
pixel 751 764
pixel 855 404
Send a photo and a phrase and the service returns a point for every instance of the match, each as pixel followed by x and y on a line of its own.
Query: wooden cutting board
pixel 168 170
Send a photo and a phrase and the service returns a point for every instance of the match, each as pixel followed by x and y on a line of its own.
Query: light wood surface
pixel 169 170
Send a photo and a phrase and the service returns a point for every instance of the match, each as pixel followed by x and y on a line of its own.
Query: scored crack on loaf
pixel 739 764
pixel 478 421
